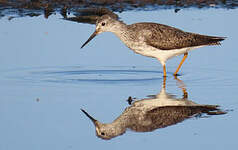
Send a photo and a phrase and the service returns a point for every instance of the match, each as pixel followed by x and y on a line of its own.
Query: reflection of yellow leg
pixel 164 82
pixel 184 57
pixel 164 68
pixel 185 94
pixel 183 87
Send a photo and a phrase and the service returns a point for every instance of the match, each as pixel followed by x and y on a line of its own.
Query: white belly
pixel 162 55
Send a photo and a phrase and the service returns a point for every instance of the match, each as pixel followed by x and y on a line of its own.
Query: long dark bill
pixel 90 38
pixel 90 117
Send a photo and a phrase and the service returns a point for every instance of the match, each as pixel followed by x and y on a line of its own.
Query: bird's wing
pixel 161 117
pixel 164 37
pixel 168 115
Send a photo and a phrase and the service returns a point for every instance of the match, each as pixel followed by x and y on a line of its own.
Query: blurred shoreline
pixel 21 8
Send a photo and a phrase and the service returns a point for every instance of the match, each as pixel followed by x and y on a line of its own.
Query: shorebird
pixel 157 111
pixel 154 40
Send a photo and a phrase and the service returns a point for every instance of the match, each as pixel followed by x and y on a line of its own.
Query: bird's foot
pixel 176 75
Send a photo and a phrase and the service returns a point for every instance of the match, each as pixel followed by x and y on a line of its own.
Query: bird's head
pixel 105 23
pixel 104 131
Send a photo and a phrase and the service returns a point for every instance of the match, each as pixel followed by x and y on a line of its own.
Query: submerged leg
pixel 164 69
pixel 184 57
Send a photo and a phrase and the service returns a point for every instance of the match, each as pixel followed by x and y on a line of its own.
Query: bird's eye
pixel 103 133
pixel 103 23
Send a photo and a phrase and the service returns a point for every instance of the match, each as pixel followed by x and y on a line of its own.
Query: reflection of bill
pixel 158 111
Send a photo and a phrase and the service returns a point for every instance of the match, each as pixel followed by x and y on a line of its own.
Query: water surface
pixel 46 78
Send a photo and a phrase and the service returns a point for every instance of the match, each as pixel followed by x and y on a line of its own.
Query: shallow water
pixel 46 78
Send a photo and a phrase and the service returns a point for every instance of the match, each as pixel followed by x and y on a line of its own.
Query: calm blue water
pixel 46 78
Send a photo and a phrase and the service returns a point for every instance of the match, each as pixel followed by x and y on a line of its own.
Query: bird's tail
pixel 213 40
pixel 212 110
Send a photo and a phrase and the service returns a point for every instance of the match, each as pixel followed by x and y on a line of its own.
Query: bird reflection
pixel 90 16
pixel 157 111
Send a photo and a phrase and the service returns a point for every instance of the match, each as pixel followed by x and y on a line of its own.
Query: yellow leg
pixel 184 57
pixel 164 68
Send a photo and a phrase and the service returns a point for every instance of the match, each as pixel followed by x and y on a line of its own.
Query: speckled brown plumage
pixel 159 111
pixel 154 40
pixel 162 117
pixel 167 38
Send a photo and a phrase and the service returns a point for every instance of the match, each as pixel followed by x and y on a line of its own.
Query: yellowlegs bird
pixel 154 40
pixel 159 111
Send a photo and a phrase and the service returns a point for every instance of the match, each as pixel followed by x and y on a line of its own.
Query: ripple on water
pixel 211 77
pixel 75 75
pixel 115 75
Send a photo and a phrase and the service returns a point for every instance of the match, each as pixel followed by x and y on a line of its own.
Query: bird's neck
pixel 119 28
pixel 124 33
pixel 119 125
